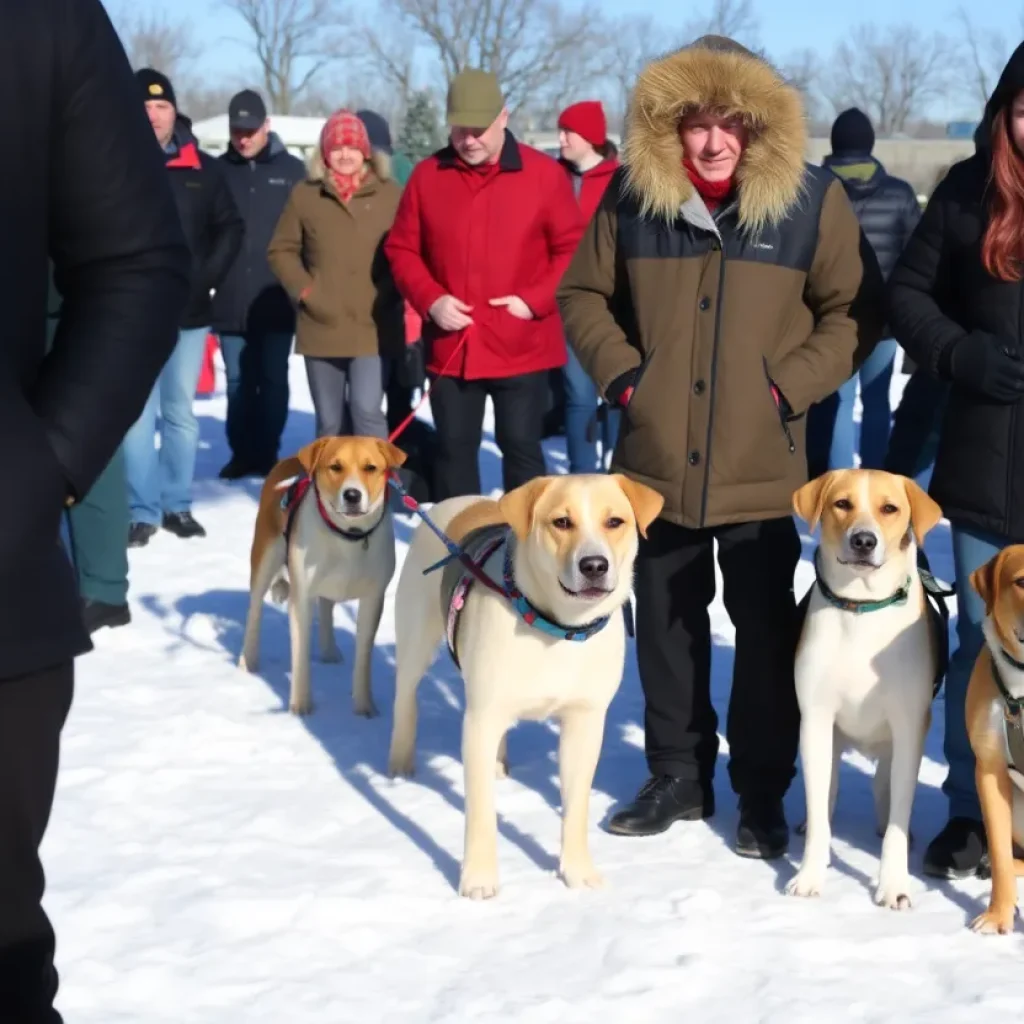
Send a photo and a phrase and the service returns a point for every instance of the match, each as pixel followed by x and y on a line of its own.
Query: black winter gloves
pixel 986 364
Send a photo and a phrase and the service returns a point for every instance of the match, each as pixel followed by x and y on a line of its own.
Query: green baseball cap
pixel 474 99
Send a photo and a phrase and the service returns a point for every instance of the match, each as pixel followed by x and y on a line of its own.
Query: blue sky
pixel 785 26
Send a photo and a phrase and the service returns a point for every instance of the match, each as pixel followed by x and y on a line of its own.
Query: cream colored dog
pixel 571 544
pixel 866 662
pixel 340 546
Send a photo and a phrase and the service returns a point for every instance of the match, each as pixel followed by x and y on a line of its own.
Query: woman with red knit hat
pixel 327 253
pixel 590 160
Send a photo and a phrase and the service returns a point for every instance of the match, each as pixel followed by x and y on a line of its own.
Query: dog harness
pixel 935 594
pixel 293 498
pixel 1013 719
pixel 461 573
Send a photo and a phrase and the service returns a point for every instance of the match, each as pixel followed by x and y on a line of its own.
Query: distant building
pixel 961 129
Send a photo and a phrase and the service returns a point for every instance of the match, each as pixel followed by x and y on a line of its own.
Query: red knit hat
pixel 587 120
pixel 343 128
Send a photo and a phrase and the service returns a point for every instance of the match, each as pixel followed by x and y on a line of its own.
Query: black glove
pixel 620 390
pixel 987 365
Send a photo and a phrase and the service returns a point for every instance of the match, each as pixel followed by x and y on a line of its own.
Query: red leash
pixel 404 425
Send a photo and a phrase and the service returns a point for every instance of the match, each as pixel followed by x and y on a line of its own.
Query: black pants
pixel 32 713
pixel 917 424
pixel 458 407
pixel 675 585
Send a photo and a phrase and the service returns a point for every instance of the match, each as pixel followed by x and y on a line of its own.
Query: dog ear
pixel 311 454
pixel 646 502
pixel 985 581
pixel 516 507
pixel 394 457
pixel 925 512
pixel 809 500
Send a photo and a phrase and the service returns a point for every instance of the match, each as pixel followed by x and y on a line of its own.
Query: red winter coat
pixel 482 236
pixel 593 186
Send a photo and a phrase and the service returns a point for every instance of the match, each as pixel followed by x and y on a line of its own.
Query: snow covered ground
pixel 212 859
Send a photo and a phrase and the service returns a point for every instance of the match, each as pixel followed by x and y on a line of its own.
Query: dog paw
pixel 478 885
pixel 301 706
pixel 581 875
pixel 806 883
pixel 331 655
pixel 893 896
pixel 995 921
pixel 364 707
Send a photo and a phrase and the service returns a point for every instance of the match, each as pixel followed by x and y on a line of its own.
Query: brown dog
pixel 335 542
pixel 995 725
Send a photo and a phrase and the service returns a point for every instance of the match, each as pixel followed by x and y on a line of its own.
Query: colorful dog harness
pixel 461 573
pixel 293 498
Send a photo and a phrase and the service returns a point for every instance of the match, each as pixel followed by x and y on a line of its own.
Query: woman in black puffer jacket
pixel 956 303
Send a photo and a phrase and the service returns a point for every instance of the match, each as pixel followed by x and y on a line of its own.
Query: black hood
pixel 1011 82
pixel 183 130
pixel 860 175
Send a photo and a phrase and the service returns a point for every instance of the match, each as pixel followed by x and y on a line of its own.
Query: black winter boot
pixel 957 851
pixel 661 802
pixel 762 832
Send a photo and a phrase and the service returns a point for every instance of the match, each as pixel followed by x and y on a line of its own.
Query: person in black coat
pixel 251 311
pixel 95 199
pixel 160 482
pixel 954 305
pixel 888 211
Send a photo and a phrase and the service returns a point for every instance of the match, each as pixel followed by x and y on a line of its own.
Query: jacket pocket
pixel 779 402
pixel 634 387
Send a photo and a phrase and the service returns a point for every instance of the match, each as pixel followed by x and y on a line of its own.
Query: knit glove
pixel 987 365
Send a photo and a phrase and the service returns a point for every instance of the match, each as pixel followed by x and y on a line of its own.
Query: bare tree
pixel 985 52
pixel 294 41
pixel 526 43
pixel 892 75
pixel 802 70
pixel 151 40
pixel 735 19
pixel 391 59
pixel 635 42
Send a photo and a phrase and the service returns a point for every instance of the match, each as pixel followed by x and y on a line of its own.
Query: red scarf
pixel 344 129
pixel 713 193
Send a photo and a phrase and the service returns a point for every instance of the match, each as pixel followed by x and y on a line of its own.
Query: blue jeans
pixel 580 410
pixel 971 549
pixel 830 429
pixel 256 367
pixel 161 482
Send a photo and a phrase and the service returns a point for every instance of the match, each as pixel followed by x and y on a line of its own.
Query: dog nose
pixel 351 496
pixel 863 542
pixel 594 566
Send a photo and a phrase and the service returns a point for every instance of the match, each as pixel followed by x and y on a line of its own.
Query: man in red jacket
pixel 484 231
pixel 589 160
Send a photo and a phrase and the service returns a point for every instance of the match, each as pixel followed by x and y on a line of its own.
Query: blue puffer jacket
pixel 886 207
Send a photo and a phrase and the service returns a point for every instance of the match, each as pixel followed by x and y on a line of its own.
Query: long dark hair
pixel 607 149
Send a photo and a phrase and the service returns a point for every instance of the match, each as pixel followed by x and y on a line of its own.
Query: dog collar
pixel 1014 705
pixel 293 497
pixel 534 618
pixel 845 604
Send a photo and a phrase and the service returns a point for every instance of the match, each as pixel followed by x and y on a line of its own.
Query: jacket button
pixel 699 387
pixel 705 303
pixel 694 459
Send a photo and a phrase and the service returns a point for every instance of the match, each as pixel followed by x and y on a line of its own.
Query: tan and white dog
pixel 866 661
pixel 994 709
pixel 338 546
pixel 571 545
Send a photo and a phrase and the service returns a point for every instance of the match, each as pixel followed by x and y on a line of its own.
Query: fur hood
pixel 715 73
pixel 380 164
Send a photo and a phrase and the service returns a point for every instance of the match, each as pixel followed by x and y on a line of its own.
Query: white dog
pixel 335 541
pixel 866 662
pixel 563 549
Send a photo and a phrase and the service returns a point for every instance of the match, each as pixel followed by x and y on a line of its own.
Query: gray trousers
pixel 357 383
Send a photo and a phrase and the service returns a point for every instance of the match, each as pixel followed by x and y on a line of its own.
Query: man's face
pixel 477 146
pixel 250 144
pixel 713 144
pixel 161 117
pixel 573 147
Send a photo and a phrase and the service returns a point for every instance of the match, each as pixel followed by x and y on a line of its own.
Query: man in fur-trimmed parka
pixel 722 288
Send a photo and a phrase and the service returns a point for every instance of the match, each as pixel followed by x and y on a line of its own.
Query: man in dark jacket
pixel 160 482
pixel 888 211
pixel 94 199
pixel 251 311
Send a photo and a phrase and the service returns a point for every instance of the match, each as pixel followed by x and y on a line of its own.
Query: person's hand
pixel 989 366
pixel 515 305
pixel 450 313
